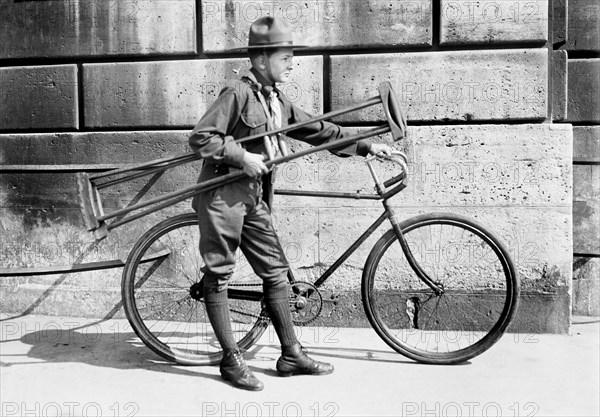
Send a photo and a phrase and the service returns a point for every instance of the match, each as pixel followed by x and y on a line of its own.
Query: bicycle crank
pixel 306 302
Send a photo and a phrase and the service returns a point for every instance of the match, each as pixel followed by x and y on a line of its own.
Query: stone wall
pixel 582 46
pixel 487 86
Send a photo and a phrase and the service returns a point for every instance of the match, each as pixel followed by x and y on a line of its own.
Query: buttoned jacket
pixel 238 113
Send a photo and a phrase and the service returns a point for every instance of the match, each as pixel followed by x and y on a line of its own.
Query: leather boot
pixel 294 361
pixel 234 369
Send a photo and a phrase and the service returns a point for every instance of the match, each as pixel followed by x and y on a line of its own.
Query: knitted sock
pixel 217 308
pixel 278 307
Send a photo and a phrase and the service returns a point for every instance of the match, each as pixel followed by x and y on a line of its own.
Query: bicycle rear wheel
pixel 163 296
pixel 480 289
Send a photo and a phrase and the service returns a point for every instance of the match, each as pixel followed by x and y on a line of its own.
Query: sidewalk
pixel 48 368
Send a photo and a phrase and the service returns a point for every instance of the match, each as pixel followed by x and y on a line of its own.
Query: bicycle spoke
pixel 187 322
pixel 170 320
pixel 164 303
pixel 432 312
pixel 165 284
pixel 179 258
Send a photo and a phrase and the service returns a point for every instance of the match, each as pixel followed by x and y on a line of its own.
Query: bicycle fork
pixel 386 190
pixel 437 287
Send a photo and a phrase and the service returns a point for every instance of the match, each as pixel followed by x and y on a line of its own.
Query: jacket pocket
pixel 254 120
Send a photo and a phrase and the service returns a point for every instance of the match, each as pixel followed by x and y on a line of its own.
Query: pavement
pixel 75 366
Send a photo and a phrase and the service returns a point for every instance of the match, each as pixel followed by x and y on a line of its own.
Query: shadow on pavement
pixel 370 355
pixel 99 343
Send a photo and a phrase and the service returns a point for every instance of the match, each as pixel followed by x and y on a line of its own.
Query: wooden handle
pixel 282 145
pixel 269 148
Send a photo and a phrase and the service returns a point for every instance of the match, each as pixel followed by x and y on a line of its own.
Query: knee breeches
pixel 234 216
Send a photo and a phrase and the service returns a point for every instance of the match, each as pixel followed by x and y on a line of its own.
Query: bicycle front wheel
pixel 479 281
pixel 163 295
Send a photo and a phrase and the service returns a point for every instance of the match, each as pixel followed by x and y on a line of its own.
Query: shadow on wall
pixel 42 200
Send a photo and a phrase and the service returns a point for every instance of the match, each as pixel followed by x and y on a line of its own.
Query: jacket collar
pixel 259 83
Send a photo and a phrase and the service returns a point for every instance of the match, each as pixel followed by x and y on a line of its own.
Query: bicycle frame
pixel 385 191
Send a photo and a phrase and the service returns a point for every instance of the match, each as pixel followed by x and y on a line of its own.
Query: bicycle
pixel 437 288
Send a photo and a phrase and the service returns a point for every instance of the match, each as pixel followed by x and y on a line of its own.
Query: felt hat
pixel 269 32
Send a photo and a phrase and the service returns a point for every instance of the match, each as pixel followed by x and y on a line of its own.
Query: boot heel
pixel 284 374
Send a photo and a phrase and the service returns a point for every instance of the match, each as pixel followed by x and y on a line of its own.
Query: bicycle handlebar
pixel 397 157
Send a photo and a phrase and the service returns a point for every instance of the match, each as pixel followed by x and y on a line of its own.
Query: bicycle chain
pixel 304 321
pixel 246 285
pixel 256 316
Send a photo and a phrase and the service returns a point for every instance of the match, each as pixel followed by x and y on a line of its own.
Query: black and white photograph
pixel 299 208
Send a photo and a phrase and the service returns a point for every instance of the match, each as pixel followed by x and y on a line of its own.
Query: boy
pixel 235 215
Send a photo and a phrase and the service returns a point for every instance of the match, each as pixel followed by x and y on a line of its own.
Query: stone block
pixel 586 209
pixel 491 166
pixel 318 24
pixel 586 296
pixel 38 97
pixel 87 28
pixel 559 22
pixel 457 85
pixel 492 21
pixel 298 230
pixel 558 79
pixel 538 239
pixel 586 286
pixel 583 86
pixel 324 171
pixel 91 148
pixel 177 93
pixel 586 144
pixel 583 30
pixel 540 313
pixel 28 240
pixel 339 227
pixel 468 165
pixel 58 190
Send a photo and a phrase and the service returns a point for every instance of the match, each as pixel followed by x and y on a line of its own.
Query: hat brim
pixel 271 46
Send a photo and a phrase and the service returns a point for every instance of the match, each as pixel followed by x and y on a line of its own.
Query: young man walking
pixel 237 215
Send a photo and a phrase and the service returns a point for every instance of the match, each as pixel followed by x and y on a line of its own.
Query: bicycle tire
pixel 164 308
pixel 481 290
